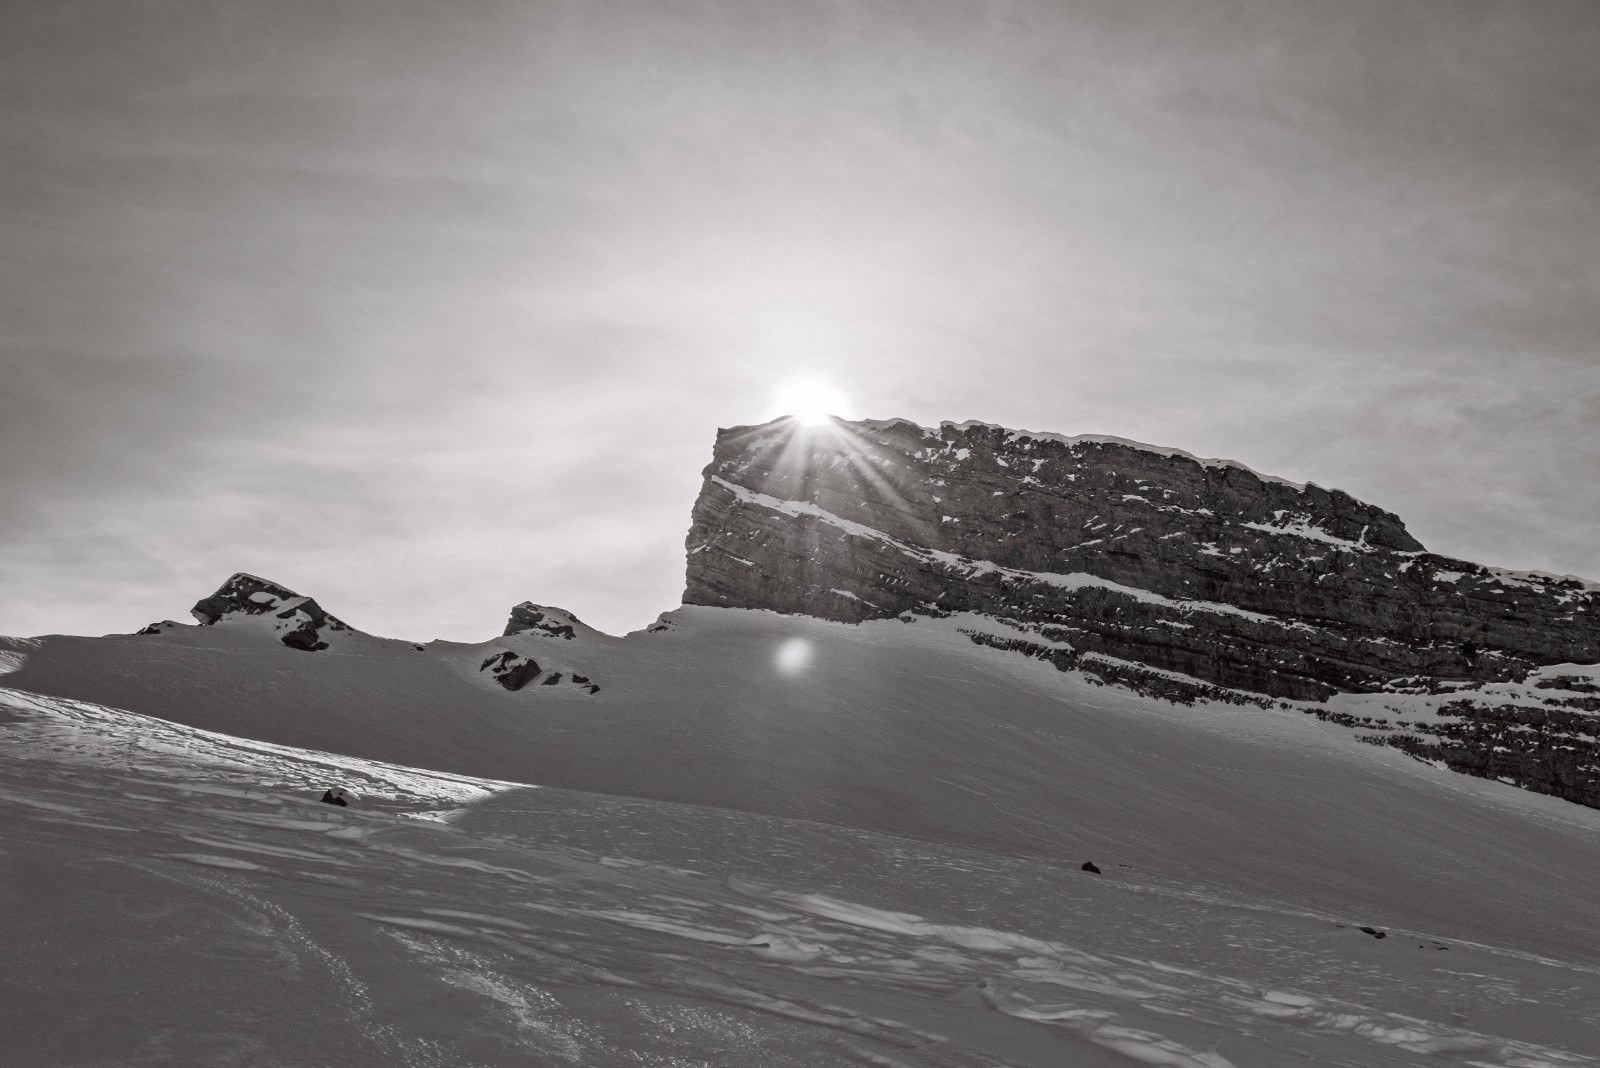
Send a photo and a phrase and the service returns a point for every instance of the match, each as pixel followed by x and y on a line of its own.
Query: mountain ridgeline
pixel 1116 557
pixel 1176 578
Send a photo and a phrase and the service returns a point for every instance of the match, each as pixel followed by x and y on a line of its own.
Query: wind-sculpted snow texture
pixel 1098 545
pixel 175 896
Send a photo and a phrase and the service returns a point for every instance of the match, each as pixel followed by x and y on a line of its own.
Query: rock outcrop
pixel 514 670
pixel 1544 737
pixel 530 618
pixel 1198 568
pixel 301 623
pixel 511 670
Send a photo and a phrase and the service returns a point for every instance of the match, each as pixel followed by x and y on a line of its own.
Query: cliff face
pixel 1098 545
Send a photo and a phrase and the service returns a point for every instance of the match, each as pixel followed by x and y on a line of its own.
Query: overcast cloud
pixel 426 309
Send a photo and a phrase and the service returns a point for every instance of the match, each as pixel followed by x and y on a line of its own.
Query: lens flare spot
pixel 793 655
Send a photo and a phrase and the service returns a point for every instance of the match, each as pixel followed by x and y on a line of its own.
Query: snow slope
pixel 912 730
pixel 172 896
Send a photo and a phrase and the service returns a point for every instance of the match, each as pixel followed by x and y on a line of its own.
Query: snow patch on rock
pixel 973 568
pixel 297 621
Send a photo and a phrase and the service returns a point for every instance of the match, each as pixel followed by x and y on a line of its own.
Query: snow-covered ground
pixel 868 854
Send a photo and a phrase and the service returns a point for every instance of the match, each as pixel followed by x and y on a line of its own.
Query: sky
pixel 426 309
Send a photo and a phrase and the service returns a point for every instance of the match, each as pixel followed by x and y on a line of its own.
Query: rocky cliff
pixel 1150 556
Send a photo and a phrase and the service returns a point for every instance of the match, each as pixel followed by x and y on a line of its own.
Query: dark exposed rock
pixel 1166 687
pixel 246 595
pixel 1577 683
pixel 1089 866
pixel 1146 555
pixel 305 637
pixel 530 618
pixel 1548 750
pixel 511 670
pixel 158 628
pixel 515 670
pixel 251 596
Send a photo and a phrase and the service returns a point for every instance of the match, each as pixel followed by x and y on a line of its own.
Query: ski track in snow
pixel 556 952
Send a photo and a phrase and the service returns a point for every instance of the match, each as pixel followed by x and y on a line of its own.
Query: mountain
pixel 1148 555
pixel 298 622
pixel 257 607
pixel 1147 567
pixel 840 816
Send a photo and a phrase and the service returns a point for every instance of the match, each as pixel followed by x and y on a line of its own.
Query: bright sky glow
pixel 811 399
pixel 793 655
pixel 562 244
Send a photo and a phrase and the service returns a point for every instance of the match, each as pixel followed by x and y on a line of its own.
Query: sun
pixel 811 399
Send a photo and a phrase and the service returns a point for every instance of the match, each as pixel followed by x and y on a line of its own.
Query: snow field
pixel 870 860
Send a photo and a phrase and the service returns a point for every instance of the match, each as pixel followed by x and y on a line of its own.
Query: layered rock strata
pixel 1545 739
pixel 1098 545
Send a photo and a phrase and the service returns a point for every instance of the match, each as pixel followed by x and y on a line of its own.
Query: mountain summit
pixel 859 828
pixel 299 622
pixel 968 560
pixel 1130 554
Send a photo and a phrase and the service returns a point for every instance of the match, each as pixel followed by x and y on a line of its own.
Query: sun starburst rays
pixel 803 450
